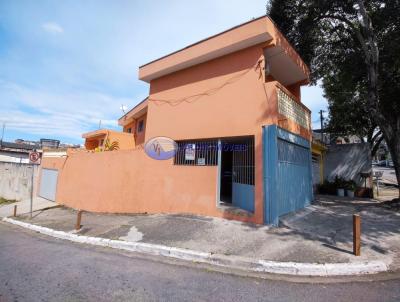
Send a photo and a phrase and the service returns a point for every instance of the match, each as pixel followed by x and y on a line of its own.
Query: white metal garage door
pixel 48 184
pixel 316 175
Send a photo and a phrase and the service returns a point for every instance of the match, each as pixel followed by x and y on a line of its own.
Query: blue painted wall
pixel 287 173
pixel 243 196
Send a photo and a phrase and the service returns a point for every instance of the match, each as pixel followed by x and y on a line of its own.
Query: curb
pixel 236 262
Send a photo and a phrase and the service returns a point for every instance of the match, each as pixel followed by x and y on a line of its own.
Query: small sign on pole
pixel 34 157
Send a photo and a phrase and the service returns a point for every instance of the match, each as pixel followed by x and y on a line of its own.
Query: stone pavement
pixel 321 233
pixel 23 207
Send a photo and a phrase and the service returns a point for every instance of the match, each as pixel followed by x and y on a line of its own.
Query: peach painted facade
pixel 97 139
pixel 224 86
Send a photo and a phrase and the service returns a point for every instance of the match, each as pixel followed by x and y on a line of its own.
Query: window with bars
pixel 197 153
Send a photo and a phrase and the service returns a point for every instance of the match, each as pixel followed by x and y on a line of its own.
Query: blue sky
pixel 66 65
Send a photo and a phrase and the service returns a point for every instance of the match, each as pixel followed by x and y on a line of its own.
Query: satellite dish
pixel 123 108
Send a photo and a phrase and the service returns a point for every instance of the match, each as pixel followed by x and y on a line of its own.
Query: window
pixel 129 130
pixel 140 126
pixel 197 153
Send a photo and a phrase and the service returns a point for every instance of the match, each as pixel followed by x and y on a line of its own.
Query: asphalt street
pixel 34 267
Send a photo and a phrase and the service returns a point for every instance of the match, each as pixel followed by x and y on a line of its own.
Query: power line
pixel 195 97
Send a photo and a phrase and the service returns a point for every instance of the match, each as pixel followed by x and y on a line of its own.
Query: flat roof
pixel 203 40
pixel 242 36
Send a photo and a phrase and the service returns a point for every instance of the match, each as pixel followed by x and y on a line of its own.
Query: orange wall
pixel 125 140
pixel 239 108
pixel 139 136
pixel 129 181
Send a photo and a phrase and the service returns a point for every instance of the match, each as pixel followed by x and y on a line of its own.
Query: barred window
pixel 197 153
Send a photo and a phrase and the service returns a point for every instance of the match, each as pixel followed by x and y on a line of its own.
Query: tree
pixel 353 46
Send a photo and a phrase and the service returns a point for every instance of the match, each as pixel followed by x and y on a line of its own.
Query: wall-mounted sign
pixel 161 148
pixel 190 151
pixel 34 157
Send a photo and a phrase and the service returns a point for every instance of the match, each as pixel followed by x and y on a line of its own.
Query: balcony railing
pixel 293 110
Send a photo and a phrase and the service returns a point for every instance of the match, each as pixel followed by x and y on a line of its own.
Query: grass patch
pixel 4 201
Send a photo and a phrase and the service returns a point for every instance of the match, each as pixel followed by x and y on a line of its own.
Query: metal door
pixel 243 174
pixel 287 173
pixel 316 168
pixel 48 184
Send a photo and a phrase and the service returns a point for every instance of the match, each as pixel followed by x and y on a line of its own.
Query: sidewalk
pixel 23 206
pixel 322 233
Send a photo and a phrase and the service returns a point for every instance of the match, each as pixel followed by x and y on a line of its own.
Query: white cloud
pixel 55 114
pixel 312 97
pixel 52 27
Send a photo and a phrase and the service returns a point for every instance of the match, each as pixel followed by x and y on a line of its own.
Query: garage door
pixel 287 173
pixel 316 168
pixel 48 184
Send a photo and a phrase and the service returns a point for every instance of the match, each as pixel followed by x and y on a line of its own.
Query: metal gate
pixel 243 174
pixel 48 184
pixel 287 173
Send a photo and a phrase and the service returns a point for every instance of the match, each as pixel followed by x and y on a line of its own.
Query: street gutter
pixel 234 262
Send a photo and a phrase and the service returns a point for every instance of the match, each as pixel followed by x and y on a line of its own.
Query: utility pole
pixel 31 202
pixel 321 117
pixel 2 132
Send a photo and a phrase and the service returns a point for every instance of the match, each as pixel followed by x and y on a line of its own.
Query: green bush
pixel 330 187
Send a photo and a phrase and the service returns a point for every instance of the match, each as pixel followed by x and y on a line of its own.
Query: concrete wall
pixel 347 161
pixel 16 179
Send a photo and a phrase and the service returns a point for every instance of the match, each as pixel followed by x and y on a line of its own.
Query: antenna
pixel 123 108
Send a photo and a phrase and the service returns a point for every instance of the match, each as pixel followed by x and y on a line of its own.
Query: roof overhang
pixel 254 32
pixel 232 40
pixel 95 134
pixel 282 67
pixel 136 112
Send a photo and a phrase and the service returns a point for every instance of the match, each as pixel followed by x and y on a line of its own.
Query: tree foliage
pixel 353 46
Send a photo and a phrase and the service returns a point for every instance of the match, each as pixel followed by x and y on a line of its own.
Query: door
pixel 237 172
pixel 48 184
pixel 287 173
pixel 316 168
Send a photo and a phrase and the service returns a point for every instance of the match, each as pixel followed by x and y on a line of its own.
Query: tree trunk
pixel 390 128
pixel 392 138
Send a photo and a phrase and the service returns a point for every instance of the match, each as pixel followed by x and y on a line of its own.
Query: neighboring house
pixel 98 138
pixel 238 94
pixel 134 121
pixel 15 170
pixel 16 152
pixel 318 150
pixel 334 139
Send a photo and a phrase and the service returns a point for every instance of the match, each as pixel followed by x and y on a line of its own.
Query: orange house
pixel 99 138
pixel 232 105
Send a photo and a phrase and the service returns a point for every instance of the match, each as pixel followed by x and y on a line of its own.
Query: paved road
pixel 38 268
